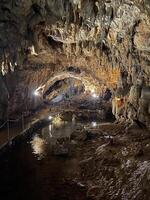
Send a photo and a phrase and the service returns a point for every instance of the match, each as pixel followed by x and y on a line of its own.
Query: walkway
pixel 16 128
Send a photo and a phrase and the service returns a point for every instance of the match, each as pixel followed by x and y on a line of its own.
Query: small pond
pixel 31 171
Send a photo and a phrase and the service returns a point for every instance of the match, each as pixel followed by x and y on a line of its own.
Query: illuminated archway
pixel 90 84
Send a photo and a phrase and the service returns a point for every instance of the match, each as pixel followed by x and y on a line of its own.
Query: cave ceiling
pixel 85 33
pixel 108 40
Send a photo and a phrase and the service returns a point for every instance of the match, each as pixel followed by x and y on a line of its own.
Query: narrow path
pixel 17 128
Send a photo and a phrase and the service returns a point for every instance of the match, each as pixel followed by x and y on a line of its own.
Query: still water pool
pixel 30 172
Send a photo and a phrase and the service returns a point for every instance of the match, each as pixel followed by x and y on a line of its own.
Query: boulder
pixel 60 150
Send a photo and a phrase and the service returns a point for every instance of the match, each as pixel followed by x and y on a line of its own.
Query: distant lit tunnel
pixel 67 83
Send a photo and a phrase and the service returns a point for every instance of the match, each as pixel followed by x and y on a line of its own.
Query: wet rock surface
pixel 104 161
pixel 52 50
pixel 115 166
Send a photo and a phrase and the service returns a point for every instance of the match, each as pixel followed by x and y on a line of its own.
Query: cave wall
pixel 108 39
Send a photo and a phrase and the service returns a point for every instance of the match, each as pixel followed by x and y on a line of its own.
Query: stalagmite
pixel 3 69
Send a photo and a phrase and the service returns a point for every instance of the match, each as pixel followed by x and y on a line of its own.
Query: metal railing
pixel 8 125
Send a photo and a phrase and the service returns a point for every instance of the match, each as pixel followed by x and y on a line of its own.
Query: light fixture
pixel 94 124
pixel 94 95
pixel 36 93
pixel 50 117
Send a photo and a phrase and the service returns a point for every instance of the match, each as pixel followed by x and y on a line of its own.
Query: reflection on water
pixel 38 145
pixel 44 142
pixel 50 130
pixel 30 172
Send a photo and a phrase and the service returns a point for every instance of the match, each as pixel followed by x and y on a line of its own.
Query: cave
pixel 75 99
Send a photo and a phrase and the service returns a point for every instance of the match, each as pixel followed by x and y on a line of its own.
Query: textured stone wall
pixel 108 39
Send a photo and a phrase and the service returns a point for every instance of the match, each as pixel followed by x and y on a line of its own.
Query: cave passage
pixel 75 99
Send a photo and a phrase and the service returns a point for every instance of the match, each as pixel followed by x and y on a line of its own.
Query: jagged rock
pixel 106 41
pixel 134 95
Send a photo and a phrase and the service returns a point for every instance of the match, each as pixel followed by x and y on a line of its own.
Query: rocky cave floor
pixel 114 161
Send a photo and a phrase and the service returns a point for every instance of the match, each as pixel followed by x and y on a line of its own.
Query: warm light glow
pixel 57 121
pixel 89 87
pixel 94 124
pixel 118 99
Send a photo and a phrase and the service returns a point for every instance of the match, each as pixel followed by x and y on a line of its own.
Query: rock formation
pixel 107 40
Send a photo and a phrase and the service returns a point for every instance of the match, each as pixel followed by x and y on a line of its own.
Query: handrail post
pixel 8 131
pixel 22 121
